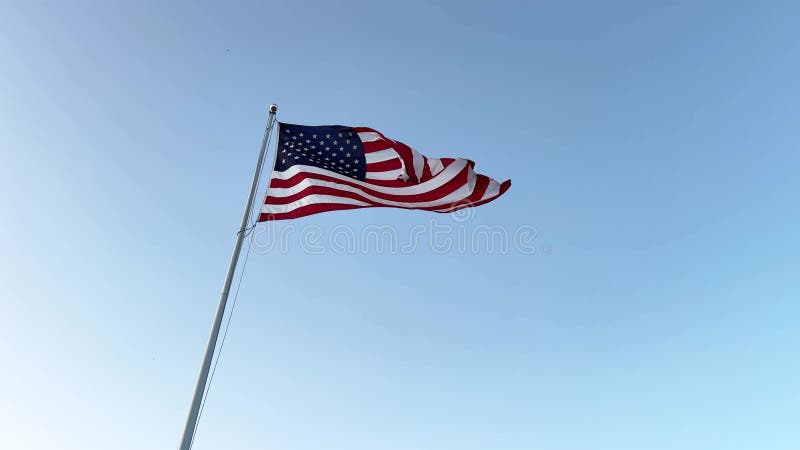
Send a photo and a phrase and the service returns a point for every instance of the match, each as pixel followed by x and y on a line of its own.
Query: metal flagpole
pixel 194 409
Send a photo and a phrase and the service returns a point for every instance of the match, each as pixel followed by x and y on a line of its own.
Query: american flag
pixel 331 168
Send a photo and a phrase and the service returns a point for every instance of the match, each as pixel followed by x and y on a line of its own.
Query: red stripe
pixel 318 190
pixel 383 166
pixel 481 184
pixel 398 183
pixel 307 211
pixel 426 171
pixel 365 130
pixel 503 188
pixel 407 155
pixel 376 146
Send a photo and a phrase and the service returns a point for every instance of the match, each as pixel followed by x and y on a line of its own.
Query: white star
pixel 341 161
pixel 283 161
pixel 335 143
pixel 355 147
pixel 340 134
pixel 348 155
pixel 341 148
pixel 334 155
pixel 355 162
pixel 319 153
pixel 296 157
pixel 294 137
pixel 308 141
pixel 313 136
pixel 301 134
pixel 347 141
pixel 321 143
pixel 287 130
pixel 328 149
pixel 347 165
pixel 327 136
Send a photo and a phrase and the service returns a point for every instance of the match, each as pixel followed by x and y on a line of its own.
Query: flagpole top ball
pixel 273 108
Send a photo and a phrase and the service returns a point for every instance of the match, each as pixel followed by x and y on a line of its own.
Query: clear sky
pixel 654 146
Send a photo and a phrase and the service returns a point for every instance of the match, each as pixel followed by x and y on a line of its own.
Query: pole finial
pixel 273 108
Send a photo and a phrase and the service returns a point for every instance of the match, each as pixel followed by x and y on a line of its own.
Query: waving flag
pixel 330 168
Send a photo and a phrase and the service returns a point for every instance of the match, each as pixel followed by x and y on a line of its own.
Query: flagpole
pixel 202 378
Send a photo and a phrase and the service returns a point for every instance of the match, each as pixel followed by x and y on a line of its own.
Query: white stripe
pixel 382 155
pixel 459 194
pixel 451 171
pixel 493 190
pixel 369 136
pixel 310 200
pixel 435 165
pixel 419 163
pixel 387 175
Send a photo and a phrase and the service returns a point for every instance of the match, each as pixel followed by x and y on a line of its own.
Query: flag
pixel 331 168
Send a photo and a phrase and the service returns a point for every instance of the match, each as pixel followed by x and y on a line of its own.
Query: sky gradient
pixel 652 145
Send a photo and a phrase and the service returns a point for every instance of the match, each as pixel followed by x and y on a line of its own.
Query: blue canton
pixel 336 148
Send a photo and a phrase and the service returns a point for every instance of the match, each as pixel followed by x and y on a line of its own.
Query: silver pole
pixel 199 388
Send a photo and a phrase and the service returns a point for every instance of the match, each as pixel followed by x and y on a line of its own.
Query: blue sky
pixel 653 146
